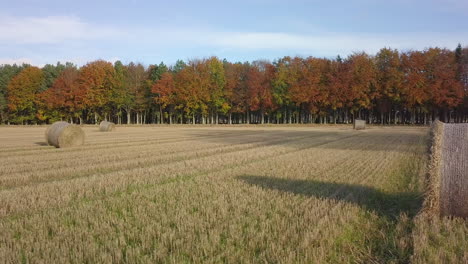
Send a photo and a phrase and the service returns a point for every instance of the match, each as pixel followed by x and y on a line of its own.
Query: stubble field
pixel 222 194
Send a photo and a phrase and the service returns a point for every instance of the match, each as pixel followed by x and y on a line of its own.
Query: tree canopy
pixel 390 87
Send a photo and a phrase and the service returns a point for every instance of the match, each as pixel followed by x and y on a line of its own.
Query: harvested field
pixel 160 194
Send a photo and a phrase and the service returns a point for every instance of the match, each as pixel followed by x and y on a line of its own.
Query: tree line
pixel 390 87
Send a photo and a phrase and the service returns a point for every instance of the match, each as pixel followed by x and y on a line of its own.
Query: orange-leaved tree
pixel 22 93
pixel 163 91
pixel 95 81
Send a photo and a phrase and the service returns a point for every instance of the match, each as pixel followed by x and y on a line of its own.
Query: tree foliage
pixel 22 91
pixel 390 87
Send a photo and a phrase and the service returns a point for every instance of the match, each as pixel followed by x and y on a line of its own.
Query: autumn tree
pixel 22 91
pixel 441 76
pixel 414 92
pixel 95 81
pixel 236 91
pixel 163 91
pixel 390 87
pixel 461 56
pixel 64 98
pixel 7 72
pixel 362 87
pixel 309 83
pixel 389 79
pixel 259 86
pixel 192 88
pixel 339 83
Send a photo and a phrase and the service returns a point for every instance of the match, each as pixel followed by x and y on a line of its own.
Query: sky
pixel 41 31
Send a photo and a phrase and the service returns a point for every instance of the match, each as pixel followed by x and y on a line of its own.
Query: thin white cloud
pixel 98 41
pixel 334 43
pixel 41 61
pixel 18 61
pixel 323 43
pixel 50 30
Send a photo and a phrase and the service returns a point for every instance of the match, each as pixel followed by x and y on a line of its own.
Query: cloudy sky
pixel 42 31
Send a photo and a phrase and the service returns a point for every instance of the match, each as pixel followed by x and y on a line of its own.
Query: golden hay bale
pixel 62 134
pixel 359 124
pixel 431 202
pixel 454 171
pixel 106 126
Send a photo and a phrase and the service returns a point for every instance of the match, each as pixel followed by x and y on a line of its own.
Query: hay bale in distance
pixel 359 124
pixel 62 135
pixel 106 126
pixel 454 171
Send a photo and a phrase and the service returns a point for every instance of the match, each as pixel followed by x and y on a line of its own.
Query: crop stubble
pixel 222 194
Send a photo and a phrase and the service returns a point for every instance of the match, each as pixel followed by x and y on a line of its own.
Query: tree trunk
pixel 129 117
pixel 262 115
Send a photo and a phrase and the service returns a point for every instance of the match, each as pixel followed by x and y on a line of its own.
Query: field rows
pixel 229 194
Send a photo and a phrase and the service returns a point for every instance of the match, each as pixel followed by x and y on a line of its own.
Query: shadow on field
pixel 41 143
pixel 388 205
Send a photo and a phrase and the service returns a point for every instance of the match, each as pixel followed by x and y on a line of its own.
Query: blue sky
pixel 40 32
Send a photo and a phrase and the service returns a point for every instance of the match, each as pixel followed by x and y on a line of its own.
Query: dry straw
pixel 62 134
pixel 447 188
pixel 106 126
pixel 454 171
pixel 359 124
pixel 432 201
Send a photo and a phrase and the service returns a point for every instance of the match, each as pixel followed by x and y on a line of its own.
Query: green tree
pixel 122 97
pixel 281 85
pixel 156 72
pixel 52 72
pixel 217 83
pixel 179 65
pixel 136 77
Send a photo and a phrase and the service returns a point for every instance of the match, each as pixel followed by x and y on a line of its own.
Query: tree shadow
pixel 389 205
pixel 41 143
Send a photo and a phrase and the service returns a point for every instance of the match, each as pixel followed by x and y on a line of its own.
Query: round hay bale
pixel 454 171
pixel 106 126
pixel 359 124
pixel 432 194
pixel 62 135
